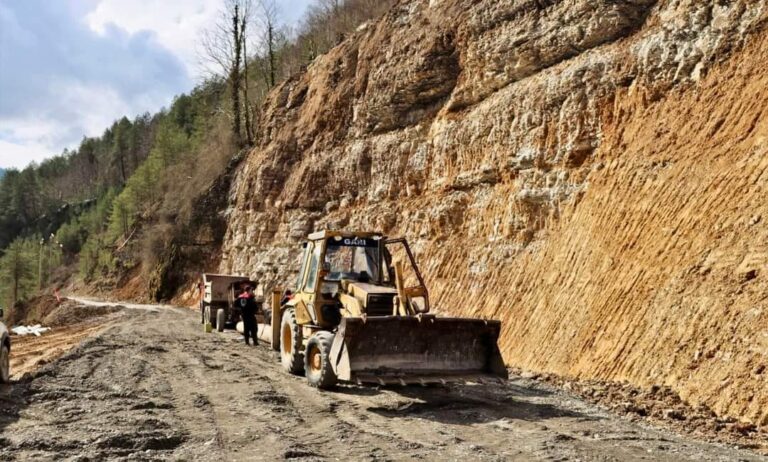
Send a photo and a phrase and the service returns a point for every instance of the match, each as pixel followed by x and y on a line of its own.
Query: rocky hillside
pixel 591 172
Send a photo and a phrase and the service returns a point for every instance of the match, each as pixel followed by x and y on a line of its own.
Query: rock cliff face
pixel 591 172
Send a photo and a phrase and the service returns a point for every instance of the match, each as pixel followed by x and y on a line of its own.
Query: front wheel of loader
pixel 290 343
pixel 317 361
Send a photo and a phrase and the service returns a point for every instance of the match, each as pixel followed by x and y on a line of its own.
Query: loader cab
pixel 351 259
pixel 331 261
pixel 348 274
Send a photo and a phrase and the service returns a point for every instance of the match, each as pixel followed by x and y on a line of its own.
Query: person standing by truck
pixel 248 309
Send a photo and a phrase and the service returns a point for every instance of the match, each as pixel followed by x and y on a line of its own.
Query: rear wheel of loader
pixel 220 320
pixel 202 312
pixel 290 343
pixel 317 361
pixel 5 365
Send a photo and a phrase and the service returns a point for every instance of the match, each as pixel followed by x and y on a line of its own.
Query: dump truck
pixel 217 302
pixel 360 313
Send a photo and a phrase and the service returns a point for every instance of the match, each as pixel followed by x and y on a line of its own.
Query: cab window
pixel 355 258
pixel 302 271
pixel 314 260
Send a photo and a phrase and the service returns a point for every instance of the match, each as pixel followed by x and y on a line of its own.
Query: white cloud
pixel 91 108
pixel 33 129
pixel 13 155
pixel 97 106
pixel 176 24
pixel 60 81
pixel 69 69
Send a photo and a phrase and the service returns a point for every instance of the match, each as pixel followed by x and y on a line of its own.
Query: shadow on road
pixel 12 402
pixel 468 404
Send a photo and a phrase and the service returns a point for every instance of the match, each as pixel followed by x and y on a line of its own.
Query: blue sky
pixel 69 68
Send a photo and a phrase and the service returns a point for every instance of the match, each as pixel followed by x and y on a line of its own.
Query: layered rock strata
pixel 591 172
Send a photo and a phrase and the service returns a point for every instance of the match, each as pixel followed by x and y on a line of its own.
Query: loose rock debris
pixel 141 390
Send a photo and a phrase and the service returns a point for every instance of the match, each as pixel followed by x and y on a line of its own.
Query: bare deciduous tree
pixel 223 56
pixel 253 26
pixel 267 19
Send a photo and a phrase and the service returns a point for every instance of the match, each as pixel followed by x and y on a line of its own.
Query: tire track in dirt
pixel 333 417
pixel 31 352
pixel 99 401
pixel 153 386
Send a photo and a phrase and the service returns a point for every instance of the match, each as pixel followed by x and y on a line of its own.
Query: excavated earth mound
pixel 593 173
pixel 72 312
pixel 32 311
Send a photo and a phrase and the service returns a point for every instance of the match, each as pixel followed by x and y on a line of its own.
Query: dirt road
pixel 31 352
pixel 153 386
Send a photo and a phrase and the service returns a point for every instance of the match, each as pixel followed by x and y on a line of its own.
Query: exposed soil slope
pixel 589 172
pixel 661 269
pixel 155 387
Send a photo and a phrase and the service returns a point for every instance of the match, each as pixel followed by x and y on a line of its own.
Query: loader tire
pixel 291 355
pixel 317 361
pixel 5 364
pixel 202 312
pixel 220 321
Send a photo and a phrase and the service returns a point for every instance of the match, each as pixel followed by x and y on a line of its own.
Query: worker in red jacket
pixel 248 309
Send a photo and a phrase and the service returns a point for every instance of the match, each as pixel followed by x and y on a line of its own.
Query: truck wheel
pixel 268 317
pixel 220 320
pixel 5 365
pixel 291 343
pixel 317 362
pixel 207 316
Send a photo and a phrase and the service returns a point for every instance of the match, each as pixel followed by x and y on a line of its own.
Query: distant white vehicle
pixel 5 352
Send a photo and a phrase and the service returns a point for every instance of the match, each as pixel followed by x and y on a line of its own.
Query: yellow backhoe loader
pixel 357 315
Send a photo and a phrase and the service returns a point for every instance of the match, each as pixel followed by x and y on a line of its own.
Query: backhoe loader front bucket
pixel 426 349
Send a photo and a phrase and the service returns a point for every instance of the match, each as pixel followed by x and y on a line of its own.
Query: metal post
pixel 40 266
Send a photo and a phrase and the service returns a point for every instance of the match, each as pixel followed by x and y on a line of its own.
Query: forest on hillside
pixel 112 204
